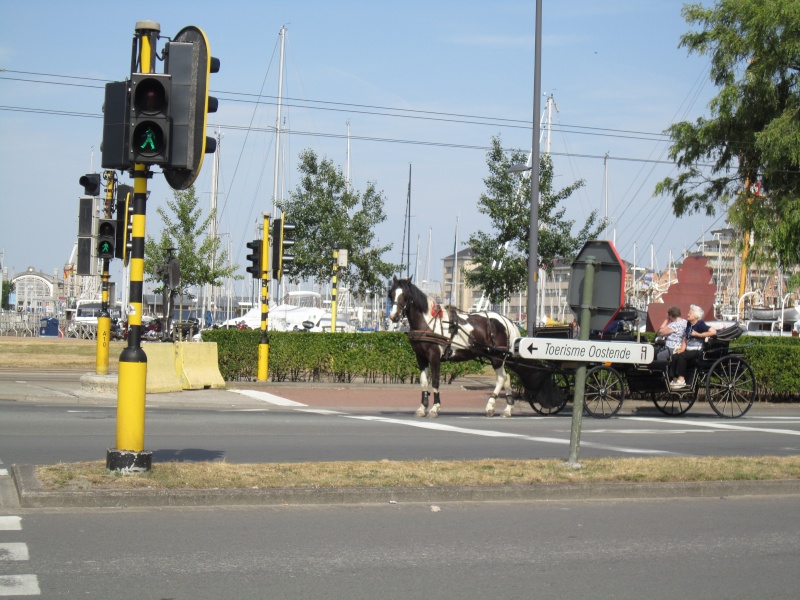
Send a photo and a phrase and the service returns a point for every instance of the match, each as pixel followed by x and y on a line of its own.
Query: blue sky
pixel 614 69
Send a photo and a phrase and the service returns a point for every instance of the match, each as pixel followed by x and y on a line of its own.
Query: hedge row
pixel 383 357
pixel 386 357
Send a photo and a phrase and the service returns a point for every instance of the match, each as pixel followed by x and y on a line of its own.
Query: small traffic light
pixel 106 238
pixel 149 119
pixel 282 242
pixel 189 63
pixel 255 259
pixel 124 223
pixel 91 184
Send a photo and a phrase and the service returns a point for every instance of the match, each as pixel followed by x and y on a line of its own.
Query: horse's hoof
pixel 433 413
pixel 490 412
pixel 420 412
pixel 506 413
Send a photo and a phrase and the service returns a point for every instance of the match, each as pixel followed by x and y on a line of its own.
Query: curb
pixel 31 494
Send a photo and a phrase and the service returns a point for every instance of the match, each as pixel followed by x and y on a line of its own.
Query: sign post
pixel 598 306
pixel 580 373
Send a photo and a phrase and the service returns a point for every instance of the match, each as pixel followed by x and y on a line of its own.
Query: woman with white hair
pixel 692 345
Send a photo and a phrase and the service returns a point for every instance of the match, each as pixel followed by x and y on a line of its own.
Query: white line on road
pixel 501 434
pixel 14 551
pixel 266 397
pixel 19 585
pixel 3 472
pixel 719 426
pixel 10 523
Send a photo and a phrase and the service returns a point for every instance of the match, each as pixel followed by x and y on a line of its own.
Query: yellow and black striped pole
pixel 334 287
pixel 104 318
pixel 263 344
pixel 129 454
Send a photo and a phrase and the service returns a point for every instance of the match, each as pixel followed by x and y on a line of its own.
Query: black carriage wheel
pixel 674 403
pixel 604 392
pixel 731 387
pixel 565 383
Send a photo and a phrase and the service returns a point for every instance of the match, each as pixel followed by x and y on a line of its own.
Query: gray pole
pixel 533 241
pixel 580 373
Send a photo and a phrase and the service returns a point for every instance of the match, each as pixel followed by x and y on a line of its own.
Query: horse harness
pixel 453 326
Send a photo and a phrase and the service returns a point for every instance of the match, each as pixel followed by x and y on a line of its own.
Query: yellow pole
pixel 334 288
pixel 745 252
pixel 129 454
pixel 263 345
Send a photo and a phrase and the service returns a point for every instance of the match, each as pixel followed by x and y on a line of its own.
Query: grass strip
pixel 386 473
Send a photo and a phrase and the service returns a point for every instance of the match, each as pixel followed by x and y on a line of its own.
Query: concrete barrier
pixel 162 372
pixel 197 364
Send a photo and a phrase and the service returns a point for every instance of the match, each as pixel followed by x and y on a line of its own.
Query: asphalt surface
pixel 20 488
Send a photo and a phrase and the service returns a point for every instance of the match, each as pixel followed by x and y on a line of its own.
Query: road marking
pixel 10 523
pixel 14 551
pixel 720 426
pixel 19 585
pixel 3 472
pixel 266 397
pixel 320 411
pixel 501 434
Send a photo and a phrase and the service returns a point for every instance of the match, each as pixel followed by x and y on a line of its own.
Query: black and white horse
pixel 442 333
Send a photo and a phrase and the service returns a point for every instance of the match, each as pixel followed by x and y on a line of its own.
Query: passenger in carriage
pixel 691 347
pixel 672 331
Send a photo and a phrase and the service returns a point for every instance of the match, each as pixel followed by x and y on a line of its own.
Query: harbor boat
pixel 788 314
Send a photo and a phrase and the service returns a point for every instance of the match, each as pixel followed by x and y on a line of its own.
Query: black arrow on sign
pixel 531 348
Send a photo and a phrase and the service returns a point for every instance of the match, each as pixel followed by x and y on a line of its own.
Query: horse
pixel 443 333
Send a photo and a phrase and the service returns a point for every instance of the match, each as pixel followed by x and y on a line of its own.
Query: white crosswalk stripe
pixel 14 551
pixel 19 585
pixel 10 523
pixel 10 552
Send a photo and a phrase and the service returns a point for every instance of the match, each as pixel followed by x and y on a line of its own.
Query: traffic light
pixel 124 223
pixel 116 125
pixel 149 119
pixel 255 259
pixel 91 184
pixel 189 63
pixel 282 242
pixel 106 238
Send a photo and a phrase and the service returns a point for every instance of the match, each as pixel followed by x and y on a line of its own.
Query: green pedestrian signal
pixel 106 238
pixel 150 122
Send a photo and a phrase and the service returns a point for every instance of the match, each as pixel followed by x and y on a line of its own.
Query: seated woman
pixel 672 330
pixel 692 345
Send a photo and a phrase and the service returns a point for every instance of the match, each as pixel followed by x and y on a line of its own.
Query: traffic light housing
pixel 189 64
pixel 124 223
pixel 91 184
pixel 282 242
pixel 116 124
pixel 106 238
pixel 255 259
pixel 149 118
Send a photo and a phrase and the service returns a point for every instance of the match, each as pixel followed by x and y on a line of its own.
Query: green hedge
pixel 382 357
pixel 386 357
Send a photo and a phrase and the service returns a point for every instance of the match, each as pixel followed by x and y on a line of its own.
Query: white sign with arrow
pixel 584 351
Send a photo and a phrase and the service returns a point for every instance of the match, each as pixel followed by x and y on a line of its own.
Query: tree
pixel 507 203
pixel 327 211
pixel 181 231
pixel 745 158
pixel 8 287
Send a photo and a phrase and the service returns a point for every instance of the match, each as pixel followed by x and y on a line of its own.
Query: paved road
pixel 704 548
pixel 52 422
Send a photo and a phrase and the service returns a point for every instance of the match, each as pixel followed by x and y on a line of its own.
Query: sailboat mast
pixel 282 34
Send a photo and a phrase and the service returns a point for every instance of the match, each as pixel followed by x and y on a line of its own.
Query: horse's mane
pixel 416 295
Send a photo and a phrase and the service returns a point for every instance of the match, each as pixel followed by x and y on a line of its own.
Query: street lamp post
pixel 533 237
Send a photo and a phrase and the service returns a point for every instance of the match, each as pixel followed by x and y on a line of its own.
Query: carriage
pixel 721 376
pixel 442 333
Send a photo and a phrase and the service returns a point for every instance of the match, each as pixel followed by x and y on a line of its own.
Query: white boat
pixel 762 313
